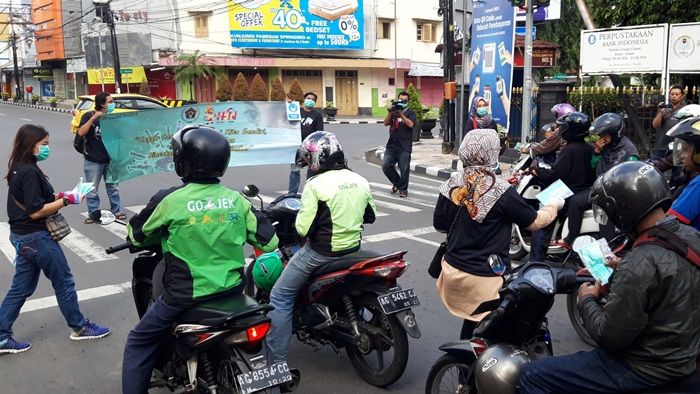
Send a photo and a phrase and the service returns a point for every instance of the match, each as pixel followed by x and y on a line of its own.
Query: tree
pixel 192 66
pixel 223 88
pixel 240 88
pixel 258 89
pixel 296 93
pixel 414 102
pixel 277 93
pixel 144 89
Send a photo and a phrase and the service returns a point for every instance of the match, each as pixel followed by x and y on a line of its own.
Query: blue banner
pixel 491 76
pixel 138 143
pixel 297 24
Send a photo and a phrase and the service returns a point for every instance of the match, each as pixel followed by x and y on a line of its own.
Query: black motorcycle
pixel 215 346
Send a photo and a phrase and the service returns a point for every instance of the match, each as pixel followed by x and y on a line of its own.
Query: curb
pixel 353 122
pixel 52 109
pixel 376 156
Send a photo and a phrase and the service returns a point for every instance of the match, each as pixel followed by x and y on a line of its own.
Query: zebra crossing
pixel 422 198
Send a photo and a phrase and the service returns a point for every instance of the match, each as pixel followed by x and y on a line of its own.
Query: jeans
pixel 142 345
pixel 95 172
pixel 584 372
pixel 403 158
pixel 283 297
pixel 37 252
pixel 295 178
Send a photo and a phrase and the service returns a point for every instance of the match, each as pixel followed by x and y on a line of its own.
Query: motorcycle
pixel 527 187
pixel 515 332
pixel 353 303
pixel 215 346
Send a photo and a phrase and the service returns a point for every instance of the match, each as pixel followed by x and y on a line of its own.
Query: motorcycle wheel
pixel 577 320
pixel 368 355
pixel 449 375
pixel 517 250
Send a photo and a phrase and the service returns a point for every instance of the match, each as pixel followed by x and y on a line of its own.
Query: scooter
pixel 521 239
pixel 514 332
pixel 215 346
pixel 353 303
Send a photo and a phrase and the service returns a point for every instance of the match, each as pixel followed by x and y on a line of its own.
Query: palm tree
pixel 191 67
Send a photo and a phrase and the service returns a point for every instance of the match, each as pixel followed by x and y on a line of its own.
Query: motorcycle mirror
pixel 106 217
pixel 581 241
pixel 250 191
pixel 497 264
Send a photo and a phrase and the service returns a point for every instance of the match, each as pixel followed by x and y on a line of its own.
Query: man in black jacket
pixel 400 120
pixel 648 330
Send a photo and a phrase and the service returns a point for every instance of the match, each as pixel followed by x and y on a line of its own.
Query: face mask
pixel 308 103
pixel 482 111
pixel 44 153
pixel 110 107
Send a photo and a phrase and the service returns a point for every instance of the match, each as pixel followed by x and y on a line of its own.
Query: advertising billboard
pixel 684 48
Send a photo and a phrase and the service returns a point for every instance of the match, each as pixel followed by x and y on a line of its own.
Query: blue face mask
pixel 308 103
pixel 44 153
pixel 482 111
pixel 110 107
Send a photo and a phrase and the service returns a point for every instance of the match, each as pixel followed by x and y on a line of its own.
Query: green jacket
pixel 201 228
pixel 334 205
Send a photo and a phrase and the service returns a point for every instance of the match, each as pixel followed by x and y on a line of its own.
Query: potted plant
pixel 6 96
pixel 53 102
pixel 35 99
pixel 330 110
pixel 429 121
pixel 15 98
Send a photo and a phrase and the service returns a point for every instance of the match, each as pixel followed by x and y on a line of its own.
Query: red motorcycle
pixel 353 303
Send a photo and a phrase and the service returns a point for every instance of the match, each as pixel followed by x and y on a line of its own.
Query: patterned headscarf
pixel 483 122
pixel 477 187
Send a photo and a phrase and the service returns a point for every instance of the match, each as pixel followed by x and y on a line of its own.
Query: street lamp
pixel 103 10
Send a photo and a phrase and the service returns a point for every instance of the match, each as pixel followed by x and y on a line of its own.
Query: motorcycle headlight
pixel 599 215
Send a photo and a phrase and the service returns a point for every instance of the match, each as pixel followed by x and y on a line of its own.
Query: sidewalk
pixel 61 107
pixel 353 120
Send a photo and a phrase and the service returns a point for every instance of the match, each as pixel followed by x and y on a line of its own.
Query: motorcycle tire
pixel 439 370
pixel 517 250
pixel 577 320
pixel 368 304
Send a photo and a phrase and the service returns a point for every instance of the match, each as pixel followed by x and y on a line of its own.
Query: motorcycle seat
pixel 220 310
pixel 690 384
pixel 347 261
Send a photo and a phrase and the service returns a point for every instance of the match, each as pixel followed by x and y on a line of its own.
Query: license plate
pixel 263 378
pixel 398 301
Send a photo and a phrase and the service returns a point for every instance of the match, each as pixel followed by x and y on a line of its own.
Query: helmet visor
pixel 681 147
pixel 599 215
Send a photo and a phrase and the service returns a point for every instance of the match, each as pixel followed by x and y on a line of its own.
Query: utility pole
pixel 13 39
pixel 526 123
pixel 446 10
pixel 103 10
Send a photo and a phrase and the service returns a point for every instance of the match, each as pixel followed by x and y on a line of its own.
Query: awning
pixel 425 70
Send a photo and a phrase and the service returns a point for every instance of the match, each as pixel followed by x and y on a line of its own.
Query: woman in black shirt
pixel 30 199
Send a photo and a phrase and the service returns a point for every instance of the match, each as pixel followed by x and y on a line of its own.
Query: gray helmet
pixel 498 369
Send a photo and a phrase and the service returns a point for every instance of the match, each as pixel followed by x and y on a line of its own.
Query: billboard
pixel 493 37
pixel 684 48
pixel 541 14
pixel 297 24
pixel 635 49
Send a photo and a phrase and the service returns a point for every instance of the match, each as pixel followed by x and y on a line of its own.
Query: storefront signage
pixel 684 48
pixel 76 65
pixel 541 57
pixel 42 73
pixel 637 49
pixel 97 76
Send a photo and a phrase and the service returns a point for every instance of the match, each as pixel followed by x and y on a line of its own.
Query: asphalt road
pixel 57 365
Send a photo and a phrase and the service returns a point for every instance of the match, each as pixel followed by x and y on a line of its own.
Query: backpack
pixel 670 241
pixel 79 142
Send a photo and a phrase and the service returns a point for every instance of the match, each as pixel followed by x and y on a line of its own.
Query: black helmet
pixel 688 130
pixel 200 152
pixel 610 124
pixel 574 126
pixel 627 193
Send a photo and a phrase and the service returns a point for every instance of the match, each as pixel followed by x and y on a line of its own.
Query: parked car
pixel 124 103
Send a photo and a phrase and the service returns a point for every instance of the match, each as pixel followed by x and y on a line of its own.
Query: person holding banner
pixel 311 122
pixel 96 163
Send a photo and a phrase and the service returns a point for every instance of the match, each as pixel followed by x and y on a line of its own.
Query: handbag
pixel 435 267
pixel 56 224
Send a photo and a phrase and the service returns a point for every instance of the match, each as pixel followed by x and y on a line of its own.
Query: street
pixel 57 365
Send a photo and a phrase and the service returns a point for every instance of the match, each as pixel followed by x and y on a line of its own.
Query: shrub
pixel 240 88
pixel 258 89
pixel 223 88
pixel 414 102
pixel 277 93
pixel 296 93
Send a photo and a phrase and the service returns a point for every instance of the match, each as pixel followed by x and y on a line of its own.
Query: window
pixel 146 104
pixel 383 30
pixel 123 103
pixel 392 82
pixel 201 25
pixel 425 32
pixel 301 73
pixel 346 73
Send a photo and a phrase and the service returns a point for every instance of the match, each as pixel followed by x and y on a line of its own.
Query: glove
pixel 73 197
pixel 557 202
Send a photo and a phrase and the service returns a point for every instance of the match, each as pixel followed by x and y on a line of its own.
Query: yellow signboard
pixel 4 28
pixel 97 76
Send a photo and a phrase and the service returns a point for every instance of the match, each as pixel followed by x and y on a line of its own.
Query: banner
pixel 297 24
pixel 684 48
pixel 635 49
pixel 129 75
pixel 138 142
pixel 493 32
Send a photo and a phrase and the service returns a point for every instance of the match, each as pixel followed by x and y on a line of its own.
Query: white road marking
pixel 408 199
pixel 5 245
pixel 1 114
pixel 83 295
pixel 398 234
pixel 136 208
pixel 396 207
pixel 26 120
pixel 410 190
pixel 115 228
pixel 85 248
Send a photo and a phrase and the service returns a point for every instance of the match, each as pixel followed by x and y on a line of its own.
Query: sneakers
pixel 13 347
pixel 89 331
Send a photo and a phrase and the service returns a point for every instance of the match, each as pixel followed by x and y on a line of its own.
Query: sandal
pixel 563 244
pixel 89 221
pixel 394 189
pixel 120 216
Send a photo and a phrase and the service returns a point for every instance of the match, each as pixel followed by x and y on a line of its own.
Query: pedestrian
pixel 479 116
pixel 664 120
pixel 30 199
pixel 311 122
pixel 400 120
pixel 96 163
pixel 477 209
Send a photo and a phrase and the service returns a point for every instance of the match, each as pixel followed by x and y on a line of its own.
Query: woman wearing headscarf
pixel 478 209
pixel 479 116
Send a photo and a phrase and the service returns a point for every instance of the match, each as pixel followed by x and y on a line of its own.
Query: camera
pixel 398 106
pixel 664 105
